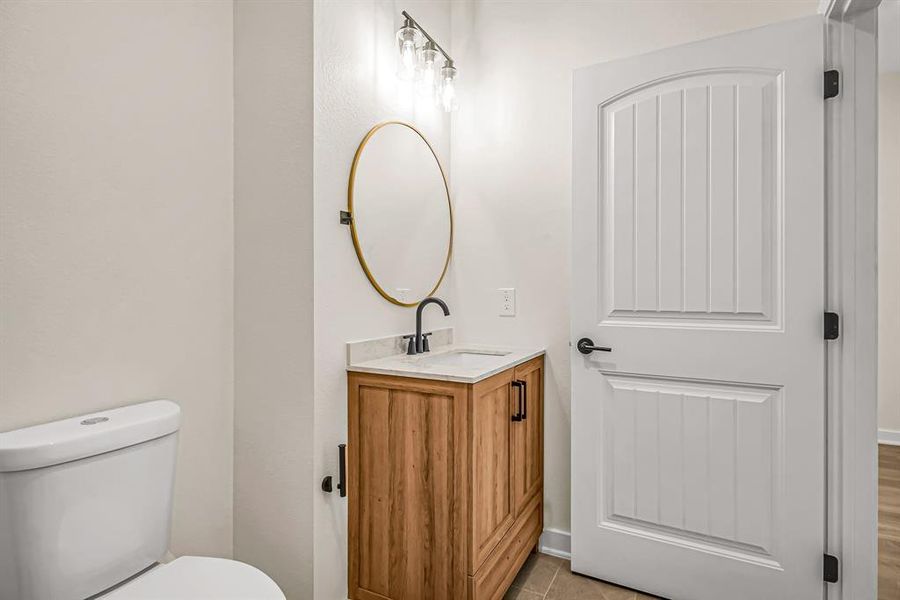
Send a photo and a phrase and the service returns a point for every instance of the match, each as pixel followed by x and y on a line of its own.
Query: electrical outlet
pixel 507 300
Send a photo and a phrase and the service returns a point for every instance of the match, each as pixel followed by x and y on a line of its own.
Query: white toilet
pixel 85 506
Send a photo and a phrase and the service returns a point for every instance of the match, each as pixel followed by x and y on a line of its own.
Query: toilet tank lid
pixel 87 435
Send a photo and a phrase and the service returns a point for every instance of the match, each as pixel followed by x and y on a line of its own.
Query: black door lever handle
pixel 586 346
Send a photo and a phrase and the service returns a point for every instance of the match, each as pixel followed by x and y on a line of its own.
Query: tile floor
pixel 545 577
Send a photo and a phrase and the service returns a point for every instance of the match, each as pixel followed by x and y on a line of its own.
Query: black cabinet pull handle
pixel 586 346
pixel 342 466
pixel 518 385
pixel 524 385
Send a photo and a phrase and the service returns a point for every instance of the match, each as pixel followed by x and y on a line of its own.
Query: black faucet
pixel 418 344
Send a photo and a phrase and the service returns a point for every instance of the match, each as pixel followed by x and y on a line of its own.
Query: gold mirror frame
pixel 354 235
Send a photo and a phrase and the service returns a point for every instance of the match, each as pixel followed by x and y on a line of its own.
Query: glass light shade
pixel 428 71
pixel 448 98
pixel 406 41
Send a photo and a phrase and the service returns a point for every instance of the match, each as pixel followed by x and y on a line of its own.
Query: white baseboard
pixel 556 543
pixel 889 436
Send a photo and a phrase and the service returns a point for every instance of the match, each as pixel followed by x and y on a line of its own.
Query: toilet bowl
pixel 199 578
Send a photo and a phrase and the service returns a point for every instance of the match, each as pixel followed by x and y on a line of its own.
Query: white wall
pixel 116 228
pixel 889 252
pixel 273 424
pixel 355 88
pixel 512 165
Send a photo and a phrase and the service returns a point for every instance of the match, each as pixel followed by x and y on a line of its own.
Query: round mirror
pixel 401 219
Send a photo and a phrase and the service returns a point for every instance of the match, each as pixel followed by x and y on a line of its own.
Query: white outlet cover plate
pixel 506 298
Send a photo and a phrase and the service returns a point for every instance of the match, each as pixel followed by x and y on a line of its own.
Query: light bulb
pixel 448 95
pixel 406 39
pixel 448 87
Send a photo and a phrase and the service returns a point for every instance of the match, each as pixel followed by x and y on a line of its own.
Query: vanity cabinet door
pixel 528 435
pixel 491 406
pixel 407 487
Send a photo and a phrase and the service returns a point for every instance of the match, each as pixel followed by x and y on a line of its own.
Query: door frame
pixel 851 146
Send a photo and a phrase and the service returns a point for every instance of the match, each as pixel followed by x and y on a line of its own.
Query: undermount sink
pixel 465 358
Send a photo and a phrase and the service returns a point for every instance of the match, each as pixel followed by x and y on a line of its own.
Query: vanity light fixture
pixel 418 62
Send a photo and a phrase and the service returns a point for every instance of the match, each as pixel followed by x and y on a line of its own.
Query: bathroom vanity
pixel 445 472
pixel 445 447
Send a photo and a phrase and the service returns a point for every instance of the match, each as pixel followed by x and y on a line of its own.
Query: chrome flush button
pixel 95 420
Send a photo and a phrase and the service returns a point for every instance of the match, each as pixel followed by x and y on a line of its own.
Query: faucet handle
pixel 425 347
pixel 411 346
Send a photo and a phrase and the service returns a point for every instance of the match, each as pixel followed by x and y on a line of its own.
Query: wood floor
pixel 548 578
pixel 888 522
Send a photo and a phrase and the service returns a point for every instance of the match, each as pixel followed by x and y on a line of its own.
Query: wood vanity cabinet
pixel 445 484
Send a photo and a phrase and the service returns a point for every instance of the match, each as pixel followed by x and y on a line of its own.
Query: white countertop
pixel 473 362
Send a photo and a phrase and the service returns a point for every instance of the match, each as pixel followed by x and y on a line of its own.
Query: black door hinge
pixel 830 569
pixel 832 326
pixel 832 83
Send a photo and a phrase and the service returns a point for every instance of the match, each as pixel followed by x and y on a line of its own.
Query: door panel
pixel 698 232
pixel 491 465
pixel 528 435
pixel 407 532
pixel 692 203
pixel 693 463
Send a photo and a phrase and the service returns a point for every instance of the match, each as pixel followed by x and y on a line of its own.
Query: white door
pixel 698 442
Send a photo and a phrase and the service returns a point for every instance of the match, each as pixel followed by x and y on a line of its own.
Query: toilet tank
pixel 85 503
